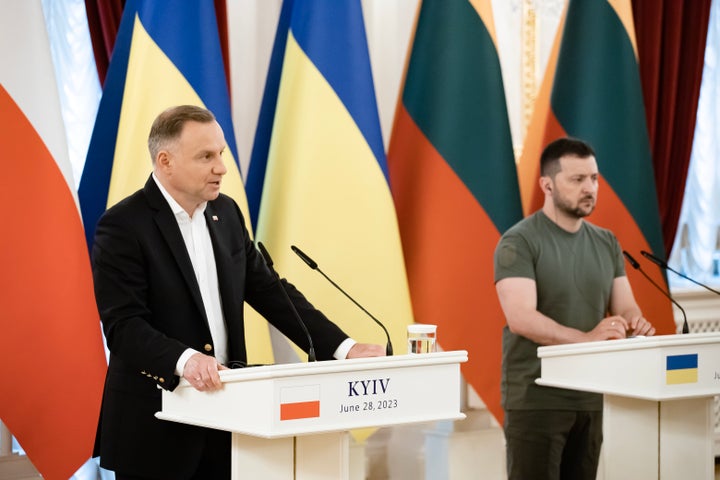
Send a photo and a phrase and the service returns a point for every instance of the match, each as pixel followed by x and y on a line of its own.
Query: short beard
pixel 572 211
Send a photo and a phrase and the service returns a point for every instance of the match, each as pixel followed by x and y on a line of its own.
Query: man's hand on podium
pixel 640 327
pixel 202 372
pixel 362 350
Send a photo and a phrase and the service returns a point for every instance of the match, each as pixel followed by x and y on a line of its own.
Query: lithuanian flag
pixel 453 178
pixel 592 91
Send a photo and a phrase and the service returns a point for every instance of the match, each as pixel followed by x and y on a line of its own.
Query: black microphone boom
pixel 269 263
pixel 637 266
pixel 662 264
pixel 310 262
pixel 313 265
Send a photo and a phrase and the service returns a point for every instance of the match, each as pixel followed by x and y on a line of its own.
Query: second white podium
pixel 658 419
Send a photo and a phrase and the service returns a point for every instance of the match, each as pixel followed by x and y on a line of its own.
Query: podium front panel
pixel 653 368
pixel 296 399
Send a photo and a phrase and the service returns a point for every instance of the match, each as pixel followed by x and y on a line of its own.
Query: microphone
pixel 313 265
pixel 637 266
pixel 662 264
pixel 269 263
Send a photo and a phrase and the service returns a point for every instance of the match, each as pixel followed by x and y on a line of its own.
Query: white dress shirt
pixel 196 236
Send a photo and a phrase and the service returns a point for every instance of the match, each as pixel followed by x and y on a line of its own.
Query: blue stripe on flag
pixel 95 178
pixel 678 362
pixel 187 39
pixel 263 132
pixel 186 31
pixel 332 35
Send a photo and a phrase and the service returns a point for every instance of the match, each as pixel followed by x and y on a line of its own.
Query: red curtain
pixel 104 19
pixel 671 39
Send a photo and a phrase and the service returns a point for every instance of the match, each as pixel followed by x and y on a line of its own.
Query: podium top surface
pixel 635 343
pixel 281 370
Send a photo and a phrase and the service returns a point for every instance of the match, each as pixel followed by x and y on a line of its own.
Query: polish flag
pixel 53 361
pixel 299 402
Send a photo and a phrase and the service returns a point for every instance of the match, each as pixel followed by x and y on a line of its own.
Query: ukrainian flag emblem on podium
pixel 681 369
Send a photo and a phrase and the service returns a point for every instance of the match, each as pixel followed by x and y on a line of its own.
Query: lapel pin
pixel 214 217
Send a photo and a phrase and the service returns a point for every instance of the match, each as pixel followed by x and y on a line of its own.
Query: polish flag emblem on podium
pixel 299 402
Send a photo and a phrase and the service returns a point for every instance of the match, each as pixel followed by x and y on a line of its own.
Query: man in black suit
pixel 173 264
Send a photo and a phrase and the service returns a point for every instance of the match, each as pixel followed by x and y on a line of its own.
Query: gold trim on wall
pixel 529 62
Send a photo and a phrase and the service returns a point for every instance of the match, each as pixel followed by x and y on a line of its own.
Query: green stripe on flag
pixel 597 97
pixel 454 93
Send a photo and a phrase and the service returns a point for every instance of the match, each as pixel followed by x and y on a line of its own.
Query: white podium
pixel 658 419
pixel 290 421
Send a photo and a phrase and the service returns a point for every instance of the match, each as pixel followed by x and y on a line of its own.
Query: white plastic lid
pixel 421 328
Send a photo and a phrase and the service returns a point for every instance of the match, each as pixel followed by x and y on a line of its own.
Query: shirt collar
pixel 174 205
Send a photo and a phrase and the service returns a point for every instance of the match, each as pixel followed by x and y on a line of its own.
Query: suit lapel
pixel 222 258
pixel 167 224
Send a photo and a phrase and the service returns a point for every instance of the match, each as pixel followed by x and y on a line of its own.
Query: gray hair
pixel 169 124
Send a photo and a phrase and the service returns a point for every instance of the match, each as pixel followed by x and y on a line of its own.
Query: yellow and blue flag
pixel 681 369
pixel 263 133
pixel 326 184
pixel 166 53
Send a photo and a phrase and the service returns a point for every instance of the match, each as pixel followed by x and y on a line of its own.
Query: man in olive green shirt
pixel 559 279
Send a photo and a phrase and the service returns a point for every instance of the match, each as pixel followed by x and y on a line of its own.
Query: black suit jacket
pixel 151 309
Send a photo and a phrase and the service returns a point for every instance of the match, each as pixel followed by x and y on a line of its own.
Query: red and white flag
pixel 52 362
pixel 299 402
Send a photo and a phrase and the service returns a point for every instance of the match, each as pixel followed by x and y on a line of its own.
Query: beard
pixel 577 210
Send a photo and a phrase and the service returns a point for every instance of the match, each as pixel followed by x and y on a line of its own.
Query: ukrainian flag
pixel 681 369
pixel 326 186
pixel 261 145
pixel 166 53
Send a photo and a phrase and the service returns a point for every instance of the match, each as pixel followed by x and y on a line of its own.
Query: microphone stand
pixel 659 262
pixel 269 263
pixel 636 266
pixel 313 265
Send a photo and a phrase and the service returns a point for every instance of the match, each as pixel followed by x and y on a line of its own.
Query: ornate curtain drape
pixel 671 38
